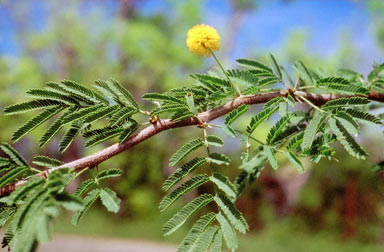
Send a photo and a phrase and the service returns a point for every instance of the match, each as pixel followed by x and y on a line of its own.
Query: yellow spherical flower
pixel 201 38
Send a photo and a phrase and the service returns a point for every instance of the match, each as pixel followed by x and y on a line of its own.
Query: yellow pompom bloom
pixel 201 38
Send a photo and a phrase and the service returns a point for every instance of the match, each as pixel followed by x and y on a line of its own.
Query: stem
pixel 166 124
pixel 209 153
pixel 80 172
pixel 208 150
pixel 144 112
pixel 225 73
pixel 249 136
pixel 306 87
pixel 310 103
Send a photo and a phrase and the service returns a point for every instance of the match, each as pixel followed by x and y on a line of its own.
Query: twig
pixel 166 124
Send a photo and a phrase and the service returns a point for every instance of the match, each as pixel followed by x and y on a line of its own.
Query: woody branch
pixel 166 124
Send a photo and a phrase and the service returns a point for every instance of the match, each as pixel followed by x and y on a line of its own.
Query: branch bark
pixel 166 124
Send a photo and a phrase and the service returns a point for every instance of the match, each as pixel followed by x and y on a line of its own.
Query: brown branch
pixel 165 124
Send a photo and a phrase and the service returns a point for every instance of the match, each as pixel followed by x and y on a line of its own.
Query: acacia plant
pixel 314 111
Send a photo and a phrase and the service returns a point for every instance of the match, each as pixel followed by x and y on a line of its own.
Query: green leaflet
pixel 236 113
pixel 187 186
pixel 271 157
pixel 265 114
pixel 88 201
pixel 35 122
pixel 122 115
pixel 51 95
pixel 346 139
pixel 341 85
pixel 69 202
pixel 240 182
pixel 207 84
pixel 348 122
pixel 283 109
pixel 224 184
pixel 110 200
pixel 332 80
pixel 129 128
pixel 45 161
pixel 53 129
pixel 243 77
pixel 295 142
pixel 214 141
pixel 305 74
pixel 81 113
pixel 363 116
pixel 161 98
pixel 345 102
pixel 217 242
pixel 169 108
pixel 22 191
pixel 30 105
pixel 311 130
pixel 69 136
pixel 233 215
pixel 100 114
pixel 4 162
pixel 206 239
pixel 42 228
pixel 82 92
pixel 212 83
pixel 350 89
pixel 5 215
pixel 103 136
pixel 104 87
pixel 124 95
pixel 183 171
pixel 251 90
pixel 84 187
pixel 13 154
pixel 288 131
pixel 183 214
pixel 9 234
pixel 28 222
pixel 218 158
pixel 109 173
pixel 191 103
pixel 377 69
pixel 254 64
pixel 228 232
pixel 277 129
pixel 287 76
pixel 189 242
pixel 180 115
pixel 273 102
pixel 220 95
pixel 10 176
pixel 35 198
pixel 268 81
pixel 295 161
pixel 275 67
pixel 184 150
pixel 229 131
pixel 98 131
pixel 255 163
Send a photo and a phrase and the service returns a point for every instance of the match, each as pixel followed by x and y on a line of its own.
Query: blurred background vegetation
pixel 334 206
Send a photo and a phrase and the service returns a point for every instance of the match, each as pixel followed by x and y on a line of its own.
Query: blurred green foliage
pixel 144 53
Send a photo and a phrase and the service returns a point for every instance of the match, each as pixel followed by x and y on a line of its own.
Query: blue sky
pixel 270 25
pixel 267 27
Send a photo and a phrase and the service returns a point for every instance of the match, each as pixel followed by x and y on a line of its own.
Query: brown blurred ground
pixel 64 243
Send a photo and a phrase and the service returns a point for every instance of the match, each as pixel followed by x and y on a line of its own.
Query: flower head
pixel 203 38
